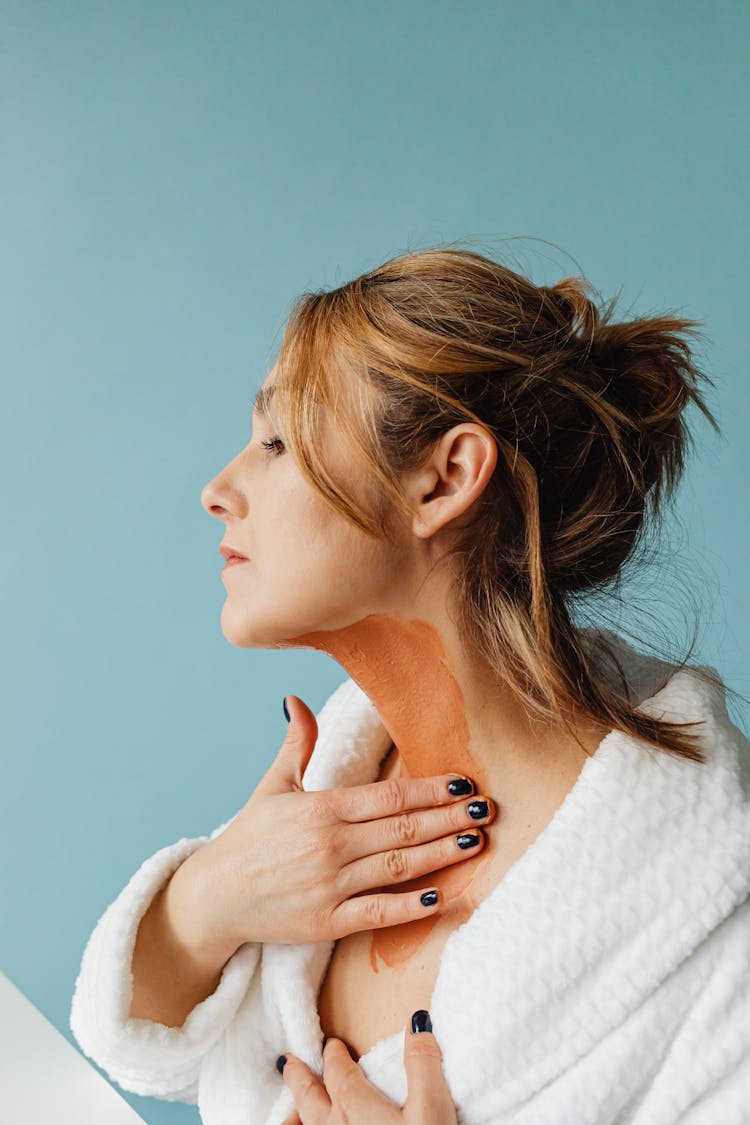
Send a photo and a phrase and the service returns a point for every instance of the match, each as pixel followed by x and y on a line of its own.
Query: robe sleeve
pixel 143 1056
pixel 149 1058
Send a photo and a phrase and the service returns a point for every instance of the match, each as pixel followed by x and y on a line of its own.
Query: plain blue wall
pixel 173 174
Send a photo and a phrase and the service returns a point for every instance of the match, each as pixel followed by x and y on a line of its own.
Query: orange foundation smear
pixel 402 667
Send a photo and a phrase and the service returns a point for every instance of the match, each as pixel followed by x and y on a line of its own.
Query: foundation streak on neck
pixel 402 666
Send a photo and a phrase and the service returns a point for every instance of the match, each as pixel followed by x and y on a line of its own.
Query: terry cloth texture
pixel 612 959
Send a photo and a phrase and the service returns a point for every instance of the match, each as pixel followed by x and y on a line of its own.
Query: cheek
pixel 306 549
pixel 295 523
pixel 281 512
pixel 331 572
pixel 335 560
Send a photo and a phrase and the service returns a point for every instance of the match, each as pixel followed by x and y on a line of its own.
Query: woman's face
pixel 308 568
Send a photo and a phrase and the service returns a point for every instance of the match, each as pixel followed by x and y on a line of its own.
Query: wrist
pixel 187 915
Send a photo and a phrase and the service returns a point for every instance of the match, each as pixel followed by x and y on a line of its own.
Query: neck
pixel 445 715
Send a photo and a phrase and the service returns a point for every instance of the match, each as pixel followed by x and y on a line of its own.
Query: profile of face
pixel 308 569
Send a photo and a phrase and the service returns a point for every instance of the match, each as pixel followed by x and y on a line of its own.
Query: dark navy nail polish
pixel 429 898
pixel 286 711
pixel 467 840
pixel 421 1021
pixel 281 1063
pixel 477 809
pixel 460 787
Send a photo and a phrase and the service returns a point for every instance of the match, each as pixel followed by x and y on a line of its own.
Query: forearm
pixel 170 976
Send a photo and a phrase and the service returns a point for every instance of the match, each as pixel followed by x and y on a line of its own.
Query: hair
pixel 587 416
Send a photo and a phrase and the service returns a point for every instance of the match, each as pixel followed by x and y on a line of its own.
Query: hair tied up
pixel 588 416
pixel 574 309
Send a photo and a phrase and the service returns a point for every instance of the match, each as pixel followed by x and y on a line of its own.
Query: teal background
pixel 172 175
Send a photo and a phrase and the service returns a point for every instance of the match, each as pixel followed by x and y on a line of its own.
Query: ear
pixel 453 477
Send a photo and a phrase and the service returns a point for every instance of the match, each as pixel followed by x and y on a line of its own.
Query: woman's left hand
pixel 345 1097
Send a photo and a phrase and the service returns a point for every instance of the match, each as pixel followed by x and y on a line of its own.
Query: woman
pixel 445 460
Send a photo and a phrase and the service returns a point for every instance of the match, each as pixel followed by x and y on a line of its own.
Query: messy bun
pixel 622 437
pixel 588 417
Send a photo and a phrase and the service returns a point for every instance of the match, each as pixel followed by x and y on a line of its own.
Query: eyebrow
pixel 263 399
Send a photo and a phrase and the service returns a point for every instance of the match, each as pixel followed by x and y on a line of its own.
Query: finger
pixel 310 1098
pixel 293 1119
pixel 286 771
pixel 428 1094
pixel 400 865
pixel 386 908
pixel 353 1095
pixel 394 795
pixel 412 827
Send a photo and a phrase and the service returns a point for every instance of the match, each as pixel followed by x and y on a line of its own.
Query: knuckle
pixel 391 795
pixel 406 827
pixel 396 863
pixel 317 848
pixel 333 843
pixel 320 806
pixel 374 911
pixel 326 854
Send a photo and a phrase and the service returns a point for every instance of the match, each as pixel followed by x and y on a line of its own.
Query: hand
pixel 297 866
pixel 345 1097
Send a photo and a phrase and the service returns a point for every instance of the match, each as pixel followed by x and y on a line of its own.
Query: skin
pixel 383 612
pixel 345 1095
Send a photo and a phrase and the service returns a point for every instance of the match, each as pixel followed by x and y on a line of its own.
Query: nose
pixel 211 494
pixel 224 494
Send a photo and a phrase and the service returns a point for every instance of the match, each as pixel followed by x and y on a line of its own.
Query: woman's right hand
pixel 298 866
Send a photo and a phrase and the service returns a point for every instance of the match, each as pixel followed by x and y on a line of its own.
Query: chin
pixel 246 630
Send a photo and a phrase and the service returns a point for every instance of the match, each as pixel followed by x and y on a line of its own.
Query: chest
pixel 363 1002
pixel 374 982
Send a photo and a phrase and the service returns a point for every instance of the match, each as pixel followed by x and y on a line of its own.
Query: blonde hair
pixel 588 419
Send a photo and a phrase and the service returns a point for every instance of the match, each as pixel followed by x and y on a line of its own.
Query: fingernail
pixel 467 840
pixel 460 786
pixel 429 898
pixel 286 711
pixel 477 809
pixel 281 1063
pixel 421 1021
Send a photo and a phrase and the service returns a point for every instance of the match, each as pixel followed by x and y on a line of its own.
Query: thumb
pixel 290 763
pixel 428 1091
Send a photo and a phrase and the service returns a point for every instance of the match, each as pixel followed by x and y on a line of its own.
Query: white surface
pixel 44 1080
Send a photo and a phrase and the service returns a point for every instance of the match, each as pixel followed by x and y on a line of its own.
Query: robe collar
pixel 646 855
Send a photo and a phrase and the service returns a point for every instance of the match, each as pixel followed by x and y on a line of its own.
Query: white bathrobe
pixel 605 979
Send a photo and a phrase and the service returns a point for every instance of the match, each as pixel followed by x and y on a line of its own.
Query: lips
pixel 230 553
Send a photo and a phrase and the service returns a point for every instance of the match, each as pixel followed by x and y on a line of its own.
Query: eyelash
pixel 269 445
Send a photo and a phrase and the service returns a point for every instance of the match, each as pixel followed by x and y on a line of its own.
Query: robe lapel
pixel 645 856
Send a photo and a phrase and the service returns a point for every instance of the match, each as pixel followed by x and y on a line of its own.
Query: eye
pixel 272 444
